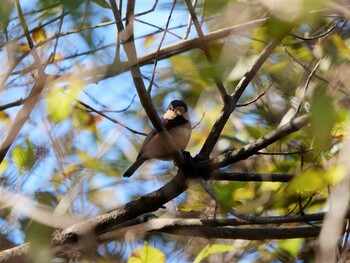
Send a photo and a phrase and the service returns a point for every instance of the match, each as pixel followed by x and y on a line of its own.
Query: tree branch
pixel 250 149
pixel 230 103
pixel 251 177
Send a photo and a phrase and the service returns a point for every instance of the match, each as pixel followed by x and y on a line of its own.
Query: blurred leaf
pixel 290 245
pixel 211 249
pixel 185 68
pixel 4 165
pixel 39 35
pixel 102 3
pixel 23 156
pixel 322 117
pixel 5 118
pixel 40 250
pixel 149 40
pixel 259 36
pixel 6 8
pixel 276 28
pixel 46 198
pixel 21 48
pixel 146 254
pixel 213 6
pixel 98 165
pixel 59 101
pixel 228 193
pixel 72 5
pixel 314 180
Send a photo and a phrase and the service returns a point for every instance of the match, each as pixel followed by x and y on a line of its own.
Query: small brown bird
pixel 177 122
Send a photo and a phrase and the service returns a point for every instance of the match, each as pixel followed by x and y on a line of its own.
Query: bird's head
pixel 176 108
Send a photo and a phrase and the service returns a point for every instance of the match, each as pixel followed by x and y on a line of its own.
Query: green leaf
pixel 146 254
pixel 291 245
pixel 102 3
pixel 59 101
pixel 211 249
pixel 323 117
pixel 3 166
pixel 23 157
pixel 6 7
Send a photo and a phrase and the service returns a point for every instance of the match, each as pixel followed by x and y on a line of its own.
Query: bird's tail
pixel 134 167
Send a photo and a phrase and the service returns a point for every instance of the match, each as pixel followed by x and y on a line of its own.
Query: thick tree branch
pixel 250 149
pixel 251 233
pixel 251 177
pixel 112 70
pixel 143 205
pixel 230 103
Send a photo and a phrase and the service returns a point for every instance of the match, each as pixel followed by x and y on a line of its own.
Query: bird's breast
pixel 181 136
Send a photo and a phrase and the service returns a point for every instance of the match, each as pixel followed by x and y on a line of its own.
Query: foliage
pixel 81 129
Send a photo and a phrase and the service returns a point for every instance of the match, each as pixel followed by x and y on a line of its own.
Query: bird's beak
pixel 169 115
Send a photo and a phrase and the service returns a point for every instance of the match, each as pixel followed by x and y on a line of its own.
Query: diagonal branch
pixel 145 98
pixel 205 48
pixel 230 104
pixel 34 95
pixel 145 204
pixel 250 149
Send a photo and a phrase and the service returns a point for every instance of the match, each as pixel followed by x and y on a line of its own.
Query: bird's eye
pixel 179 110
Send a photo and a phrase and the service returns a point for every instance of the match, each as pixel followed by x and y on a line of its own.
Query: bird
pixel 177 122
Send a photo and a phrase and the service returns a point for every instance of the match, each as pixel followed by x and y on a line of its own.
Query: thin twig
pixel 320 35
pixel 109 118
pixel 256 99
pixel 149 89
pixel 301 64
pixel 206 49
pixel 306 87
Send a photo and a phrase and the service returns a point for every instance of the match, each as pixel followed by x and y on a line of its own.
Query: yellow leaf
pixel 39 35
pixel 147 254
pixel 21 48
pixel 211 249
pixel 149 40
pixel 3 165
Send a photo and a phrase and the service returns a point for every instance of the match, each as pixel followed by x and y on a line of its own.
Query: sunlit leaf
pixel 314 180
pixel 5 118
pixel 212 249
pixel 291 245
pixel 21 48
pixel 4 165
pixel 146 254
pixel 39 35
pixel 23 156
pixel 59 100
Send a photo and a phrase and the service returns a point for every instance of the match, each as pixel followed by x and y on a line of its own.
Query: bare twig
pixel 302 65
pixel 206 49
pixel 12 104
pixel 34 95
pixel 234 212
pixel 230 104
pixel 320 35
pixel 306 87
pixel 256 99
pixel 149 89
pixel 109 118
